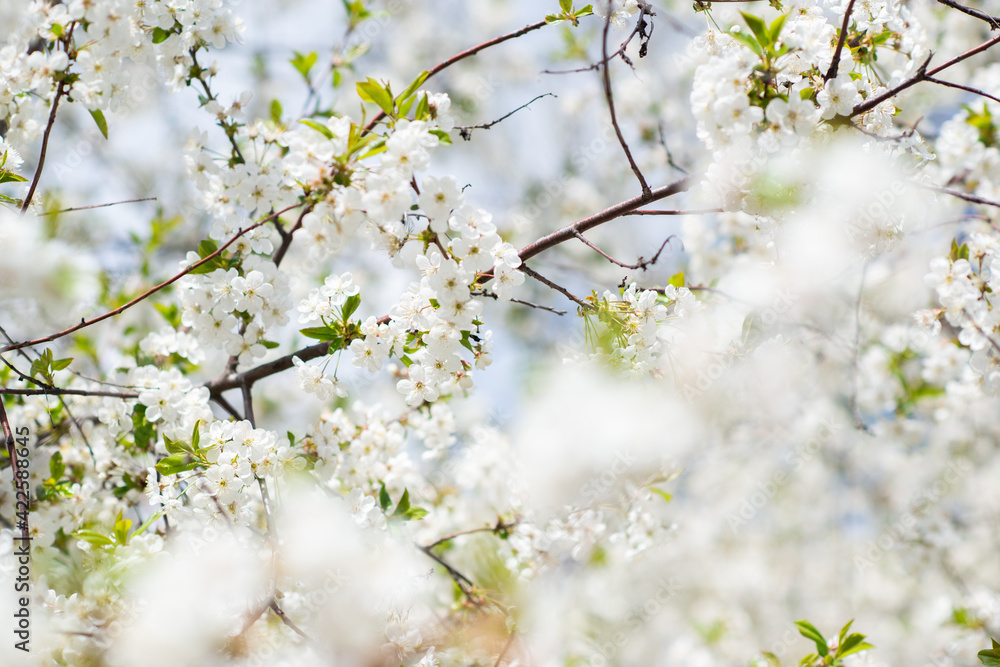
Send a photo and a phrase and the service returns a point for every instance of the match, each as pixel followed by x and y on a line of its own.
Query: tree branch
pixel 448 62
pixel 835 63
pixel 609 97
pixel 86 323
pixel 922 74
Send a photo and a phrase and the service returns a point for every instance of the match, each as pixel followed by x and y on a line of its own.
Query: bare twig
pixel 85 208
pixel 111 313
pixel 922 74
pixel 641 264
pixel 559 288
pixel 609 97
pixel 608 214
pixel 491 295
pixel 646 211
pixel 466 131
pixel 959 195
pixel 448 62
pixel 992 20
pixel 286 237
pixel 960 86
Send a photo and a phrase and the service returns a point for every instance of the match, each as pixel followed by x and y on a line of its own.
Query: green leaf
pixel 172 465
pixel 404 504
pixel 853 644
pixel 809 631
pixel 303 63
pixel 160 35
pixel 843 631
pixel 758 28
pixel 412 88
pixel 207 247
pixel 60 364
pixel 196 436
pixel 384 501
pixel 319 127
pixel 749 41
pixel 661 493
pixel 11 177
pixel 102 124
pixel 121 529
pixel 173 447
pixel 373 91
pixel 677 280
pixel 56 466
pixel 276 112
pixel 990 657
pixel 776 27
pixel 566 5
pixel 554 18
pixel 95 538
pixel 320 333
pixel 442 135
pixel 350 306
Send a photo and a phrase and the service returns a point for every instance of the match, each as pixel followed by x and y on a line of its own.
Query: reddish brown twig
pixel 111 313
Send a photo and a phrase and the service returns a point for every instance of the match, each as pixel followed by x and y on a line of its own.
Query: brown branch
pixel 557 287
pixel 921 75
pixel 85 208
pixel 55 391
pixel 232 381
pixel 491 295
pixel 86 323
pixel 466 131
pixel 466 585
pixel 646 211
pixel 500 526
pixel 286 237
pixel 641 264
pixel 609 97
pixel 960 195
pixel 969 89
pixel 835 63
pixel 608 214
pixel 60 91
pixel 972 12
pixel 448 62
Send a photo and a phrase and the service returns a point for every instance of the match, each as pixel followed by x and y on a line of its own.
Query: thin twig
pixel 959 195
pixel 491 295
pixel 921 75
pixel 972 12
pixel 609 97
pixel 640 265
pixel 559 288
pixel 85 208
pixel 465 131
pixel 60 91
pixel 86 323
pixel 55 391
pixel 608 214
pixel 969 89
pixel 286 237
pixel 646 211
pixel 448 62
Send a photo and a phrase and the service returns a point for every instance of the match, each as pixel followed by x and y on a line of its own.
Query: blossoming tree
pixel 499 333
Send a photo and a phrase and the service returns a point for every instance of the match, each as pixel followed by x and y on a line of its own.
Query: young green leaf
pixel 102 124
pixel 809 631
pixel 758 28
